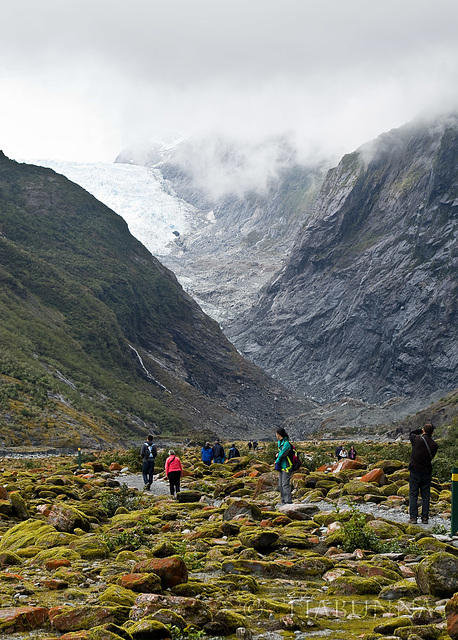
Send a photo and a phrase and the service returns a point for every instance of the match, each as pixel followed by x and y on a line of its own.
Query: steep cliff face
pixel 250 201
pixel 366 305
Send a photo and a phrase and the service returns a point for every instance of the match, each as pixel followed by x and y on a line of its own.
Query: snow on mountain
pixel 151 208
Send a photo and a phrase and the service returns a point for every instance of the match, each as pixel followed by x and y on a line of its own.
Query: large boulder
pixel 171 570
pixel 299 511
pixel 258 538
pixel 85 617
pixel 195 612
pixel 19 619
pixel 64 517
pixel 266 482
pixel 438 575
pixel 242 509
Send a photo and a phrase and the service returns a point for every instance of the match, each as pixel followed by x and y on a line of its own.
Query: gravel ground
pixel 158 487
pixel 380 512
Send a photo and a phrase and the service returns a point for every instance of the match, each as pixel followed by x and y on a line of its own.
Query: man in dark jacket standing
pixel 423 451
pixel 148 452
pixel 218 452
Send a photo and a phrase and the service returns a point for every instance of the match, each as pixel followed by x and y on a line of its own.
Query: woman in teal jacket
pixel 283 465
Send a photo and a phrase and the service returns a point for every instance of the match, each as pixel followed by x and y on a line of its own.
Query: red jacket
pixel 173 463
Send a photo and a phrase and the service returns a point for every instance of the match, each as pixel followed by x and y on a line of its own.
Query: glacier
pixel 140 195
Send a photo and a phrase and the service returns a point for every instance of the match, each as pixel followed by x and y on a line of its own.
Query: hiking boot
pixel 424 521
pixel 412 521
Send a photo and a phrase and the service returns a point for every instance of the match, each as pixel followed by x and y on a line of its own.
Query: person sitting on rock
pixel 234 452
pixel 207 453
pixel 218 452
pixel 173 470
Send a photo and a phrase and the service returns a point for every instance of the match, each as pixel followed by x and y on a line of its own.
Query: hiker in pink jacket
pixel 173 471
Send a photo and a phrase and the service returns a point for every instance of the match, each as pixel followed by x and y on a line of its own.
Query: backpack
pixel 296 462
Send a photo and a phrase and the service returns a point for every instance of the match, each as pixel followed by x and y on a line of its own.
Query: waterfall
pixel 147 373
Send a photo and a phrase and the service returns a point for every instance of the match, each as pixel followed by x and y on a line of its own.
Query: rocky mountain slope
pixel 91 323
pixel 249 203
pixel 366 305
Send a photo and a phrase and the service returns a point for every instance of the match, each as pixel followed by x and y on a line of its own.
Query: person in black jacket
pixel 218 452
pixel 148 452
pixel 424 448
pixel 234 452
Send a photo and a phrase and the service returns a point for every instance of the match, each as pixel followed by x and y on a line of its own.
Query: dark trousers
pixel 419 482
pixel 148 470
pixel 174 481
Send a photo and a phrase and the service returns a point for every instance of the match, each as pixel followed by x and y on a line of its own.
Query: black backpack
pixel 296 462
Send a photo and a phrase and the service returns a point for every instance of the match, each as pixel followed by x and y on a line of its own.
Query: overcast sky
pixel 81 79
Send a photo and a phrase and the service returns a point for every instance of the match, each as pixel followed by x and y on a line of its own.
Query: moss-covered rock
pixel 384 530
pixel 117 595
pixel 85 617
pixel 401 589
pixel 91 547
pixel 438 575
pixel 55 553
pixel 259 539
pixel 149 628
pixel 388 626
pixel 8 558
pixel 225 623
pixel 65 517
pixel 426 632
pixel 354 586
pixel 19 505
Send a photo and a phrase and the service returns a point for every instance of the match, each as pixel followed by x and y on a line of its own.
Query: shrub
pixel 122 497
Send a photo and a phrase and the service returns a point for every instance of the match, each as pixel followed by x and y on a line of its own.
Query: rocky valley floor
pixel 86 553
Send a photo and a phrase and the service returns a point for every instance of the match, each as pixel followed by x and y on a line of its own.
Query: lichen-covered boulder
pixel 432 544
pixel 195 612
pixel 149 628
pixel 299 511
pixel 225 623
pixel 171 570
pixel 8 558
pixel 24 534
pixel 389 466
pixel 425 632
pixel 168 617
pixel 384 530
pixel 358 488
pixel 67 518
pixel 108 631
pixel 242 508
pixel 19 619
pixel 438 575
pixel 141 582
pixel 90 548
pixel 258 538
pixel 402 589
pixel 354 586
pixel 313 565
pixel 85 617
pixel 117 595
pixel 55 553
pixel 19 505
pixel 376 475
pixel 388 626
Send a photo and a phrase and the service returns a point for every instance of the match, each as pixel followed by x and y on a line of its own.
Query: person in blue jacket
pixel 283 464
pixel 207 453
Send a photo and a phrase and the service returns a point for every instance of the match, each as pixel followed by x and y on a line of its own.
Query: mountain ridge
pixel 82 300
pixel 366 304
